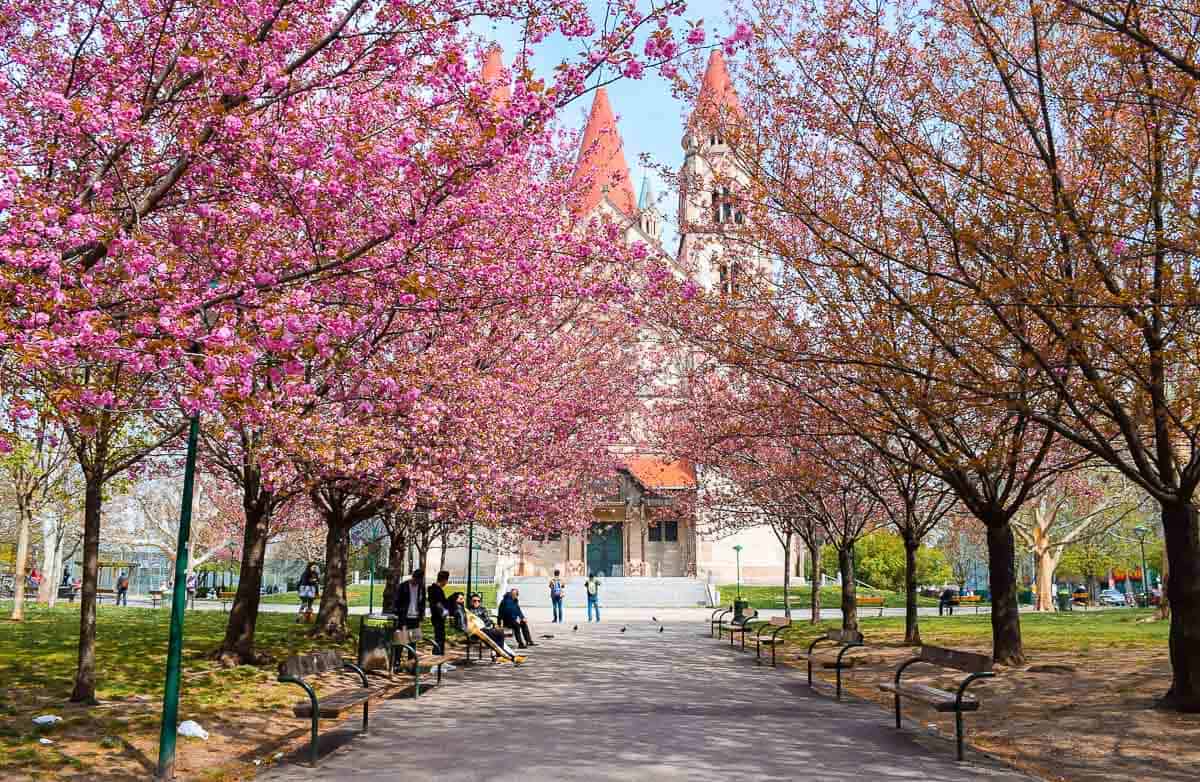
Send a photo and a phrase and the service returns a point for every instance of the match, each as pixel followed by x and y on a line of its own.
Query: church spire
pixel 646 197
pixel 716 90
pixel 493 73
pixel 602 161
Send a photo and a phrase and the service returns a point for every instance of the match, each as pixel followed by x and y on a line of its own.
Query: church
pixel 626 542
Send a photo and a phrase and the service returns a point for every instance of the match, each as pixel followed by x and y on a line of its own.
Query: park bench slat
pixel 967 662
pixel 332 706
pixel 941 700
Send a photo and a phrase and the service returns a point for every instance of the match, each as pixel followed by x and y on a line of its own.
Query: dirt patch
pixel 1081 717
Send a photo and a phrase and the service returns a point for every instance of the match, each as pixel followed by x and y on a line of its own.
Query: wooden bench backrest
pixel 870 601
pixel 301 665
pixel 967 662
pixel 780 621
pixel 227 595
pixel 844 636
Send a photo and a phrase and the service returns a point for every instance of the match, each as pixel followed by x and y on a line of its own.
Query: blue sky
pixel 650 118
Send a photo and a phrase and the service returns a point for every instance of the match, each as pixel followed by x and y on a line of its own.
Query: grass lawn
pixel 1081 631
pixel 37 664
pixel 359 595
pixel 831 597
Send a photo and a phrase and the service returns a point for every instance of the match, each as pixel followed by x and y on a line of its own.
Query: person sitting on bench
pixel 490 629
pixel 512 617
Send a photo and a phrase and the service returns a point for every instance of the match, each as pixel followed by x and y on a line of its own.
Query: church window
pixel 664 531
pixel 730 274
pixel 722 205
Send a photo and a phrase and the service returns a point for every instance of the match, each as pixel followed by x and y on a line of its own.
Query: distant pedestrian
pixel 123 589
pixel 191 589
pixel 557 589
pixel 308 589
pixel 946 601
pixel 593 596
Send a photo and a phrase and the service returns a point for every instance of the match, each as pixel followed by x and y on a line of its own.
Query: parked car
pixel 1112 597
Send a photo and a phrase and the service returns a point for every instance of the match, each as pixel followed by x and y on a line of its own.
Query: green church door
pixel 604 553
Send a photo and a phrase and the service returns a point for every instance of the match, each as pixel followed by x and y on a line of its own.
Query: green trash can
pixel 1064 601
pixel 739 609
pixel 375 641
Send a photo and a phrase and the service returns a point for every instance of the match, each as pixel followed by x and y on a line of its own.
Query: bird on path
pixel 622 629
pixel 660 629
pixel 654 619
pixel 575 629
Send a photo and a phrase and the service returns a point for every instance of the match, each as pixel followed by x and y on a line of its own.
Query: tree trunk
pixel 444 540
pixel 1182 533
pixel 1006 620
pixel 1044 579
pixel 849 592
pixel 814 555
pixel 787 572
pixel 397 545
pixel 912 633
pixel 84 690
pixel 331 619
pixel 24 520
pixel 1164 605
pixel 238 646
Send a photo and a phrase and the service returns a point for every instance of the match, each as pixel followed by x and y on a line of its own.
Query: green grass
pixel 763 597
pixel 1080 631
pixel 359 595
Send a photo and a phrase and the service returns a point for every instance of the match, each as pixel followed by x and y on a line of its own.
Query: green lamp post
pixel 1140 533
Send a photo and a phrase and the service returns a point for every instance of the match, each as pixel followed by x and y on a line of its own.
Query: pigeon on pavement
pixel 575 629
pixel 654 619
pixel 622 629
pixel 660 629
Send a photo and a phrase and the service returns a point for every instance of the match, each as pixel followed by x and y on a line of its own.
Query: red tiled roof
pixel 654 473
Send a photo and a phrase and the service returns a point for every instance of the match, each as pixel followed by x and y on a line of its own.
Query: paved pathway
pixel 642 705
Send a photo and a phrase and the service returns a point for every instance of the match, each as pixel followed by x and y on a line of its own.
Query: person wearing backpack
pixel 593 596
pixel 123 589
pixel 557 589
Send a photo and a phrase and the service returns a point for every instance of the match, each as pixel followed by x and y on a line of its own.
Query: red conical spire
pixel 716 91
pixel 602 161
pixel 493 73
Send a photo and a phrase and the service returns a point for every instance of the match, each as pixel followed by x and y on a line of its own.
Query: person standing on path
pixel 307 589
pixel 123 589
pixel 946 601
pixel 410 607
pixel 438 610
pixel 556 597
pixel 593 596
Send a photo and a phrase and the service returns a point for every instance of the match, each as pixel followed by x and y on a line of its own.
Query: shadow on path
pixel 643 705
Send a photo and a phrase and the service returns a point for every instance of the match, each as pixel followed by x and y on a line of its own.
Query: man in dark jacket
pixel 410 606
pixel 438 610
pixel 512 617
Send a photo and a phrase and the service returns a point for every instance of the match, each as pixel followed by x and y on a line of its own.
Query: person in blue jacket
pixel 512 617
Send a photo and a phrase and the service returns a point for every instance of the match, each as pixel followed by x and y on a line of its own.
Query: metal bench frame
pixel 958 696
pixel 316 706
pixel 715 621
pixel 774 640
pixel 838 667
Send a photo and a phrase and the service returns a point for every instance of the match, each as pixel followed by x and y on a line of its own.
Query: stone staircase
pixel 617 592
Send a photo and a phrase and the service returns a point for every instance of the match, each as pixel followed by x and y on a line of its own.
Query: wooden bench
pixel 333 705
pixel 870 601
pixel 776 625
pixel 226 598
pixel 845 640
pixel 156 597
pixel 735 626
pixel 714 621
pixel 976 666
pixel 418 659
pixel 968 600
pixel 103 593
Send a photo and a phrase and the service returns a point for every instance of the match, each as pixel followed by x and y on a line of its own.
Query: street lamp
pixel 1140 533
pixel 738 550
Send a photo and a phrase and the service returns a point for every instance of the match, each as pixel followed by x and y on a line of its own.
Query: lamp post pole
pixel 738 550
pixel 470 553
pixel 1140 533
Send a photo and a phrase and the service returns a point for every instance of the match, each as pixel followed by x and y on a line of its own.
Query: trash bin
pixel 375 641
pixel 739 609
pixel 1064 601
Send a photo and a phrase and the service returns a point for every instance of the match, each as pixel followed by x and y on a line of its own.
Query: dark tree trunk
pixel 1006 620
pixel 397 545
pixel 1182 534
pixel 849 596
pixel 814 555
pixel 331 619
pixel 85 672
pixel 787 572
pixel 912 633
pixel 238 646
